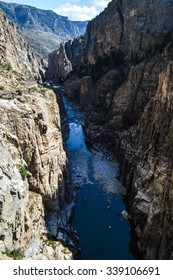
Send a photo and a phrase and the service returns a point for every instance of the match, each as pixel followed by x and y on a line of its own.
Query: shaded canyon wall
pixel 123 79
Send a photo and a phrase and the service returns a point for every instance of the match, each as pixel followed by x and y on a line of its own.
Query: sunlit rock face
pixel 33 164
pixel 15 53
pixel 124 82
pixel 33 170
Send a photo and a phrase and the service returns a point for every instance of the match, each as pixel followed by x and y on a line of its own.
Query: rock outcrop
pixel 60 65
pixel 34 195
pixel 44 30
pixel 124 81
pixel 64 59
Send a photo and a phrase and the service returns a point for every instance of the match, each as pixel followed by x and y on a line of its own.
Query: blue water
pixel 103 233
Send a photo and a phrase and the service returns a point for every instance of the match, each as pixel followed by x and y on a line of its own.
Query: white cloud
pixel 101 3
pixel 78 12
pixel 75 12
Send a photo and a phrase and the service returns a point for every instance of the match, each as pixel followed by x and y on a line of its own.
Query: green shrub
pixel 23 172
pixel 5 68
pixel 16 254
pixel 1 87
pixel 38 118
pixel 43 90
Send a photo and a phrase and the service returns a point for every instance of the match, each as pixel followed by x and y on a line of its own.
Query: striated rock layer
pixel 123 79
pixel 34 197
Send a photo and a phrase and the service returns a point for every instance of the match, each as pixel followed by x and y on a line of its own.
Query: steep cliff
pixel 44 30
pixel 63 60
pixel 15 53
pixel 124 80
pixel 60 65
pixel 33 164
pixel 145 155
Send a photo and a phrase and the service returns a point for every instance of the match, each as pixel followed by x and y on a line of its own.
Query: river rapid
pixel 104 234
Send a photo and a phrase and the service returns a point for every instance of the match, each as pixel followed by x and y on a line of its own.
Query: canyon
pixel 120 74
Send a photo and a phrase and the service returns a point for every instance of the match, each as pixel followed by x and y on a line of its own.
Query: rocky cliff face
pixel 60 65
pixel 124 81
pixel 145 155
pixel 15 53
pixel 33 166
pixel 44 30
pixel 63 60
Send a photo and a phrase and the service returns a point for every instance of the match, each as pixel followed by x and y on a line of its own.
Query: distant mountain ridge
pixel 43 29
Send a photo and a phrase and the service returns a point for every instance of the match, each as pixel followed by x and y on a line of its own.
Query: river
pixel 103 232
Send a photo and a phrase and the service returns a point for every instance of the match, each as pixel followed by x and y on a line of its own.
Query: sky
pixel 73 9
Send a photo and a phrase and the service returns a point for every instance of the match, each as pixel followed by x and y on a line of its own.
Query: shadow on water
pixel 103 232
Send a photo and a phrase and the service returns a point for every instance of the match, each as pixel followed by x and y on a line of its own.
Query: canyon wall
pixel 35 198
pixel 15 53
pixel 123 79
pixel 63 60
